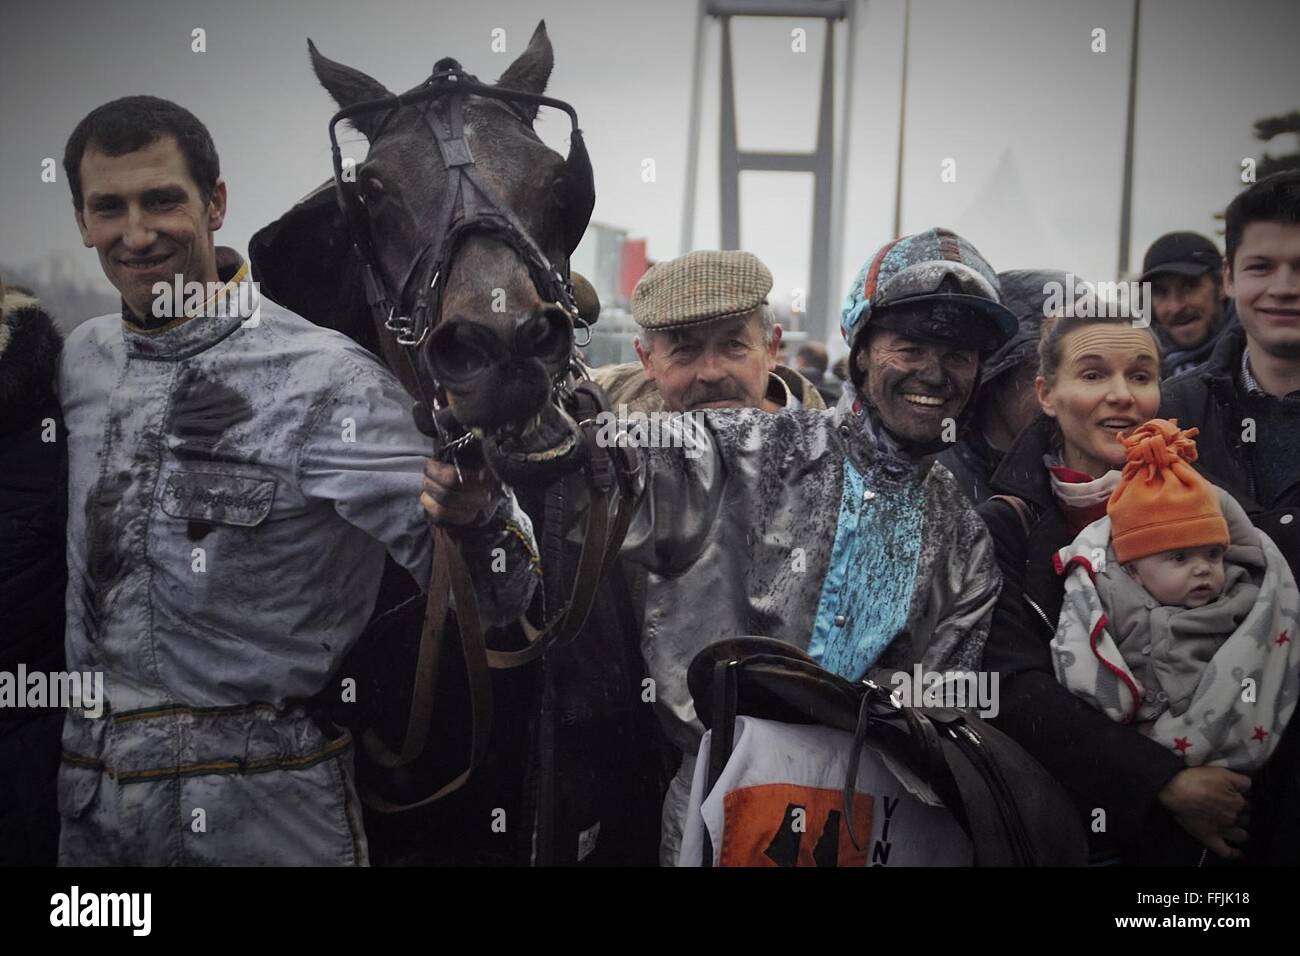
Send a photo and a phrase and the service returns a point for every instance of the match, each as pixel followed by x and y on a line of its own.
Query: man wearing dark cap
pixel 829 530
pixel 1189 311
pixel 1005 402
pixel 709 340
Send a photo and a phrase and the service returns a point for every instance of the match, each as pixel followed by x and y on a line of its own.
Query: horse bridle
pixel 468 206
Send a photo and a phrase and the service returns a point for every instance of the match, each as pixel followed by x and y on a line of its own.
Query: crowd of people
pixel 1096 507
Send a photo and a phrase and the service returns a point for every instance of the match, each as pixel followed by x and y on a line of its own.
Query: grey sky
pixel 1007 88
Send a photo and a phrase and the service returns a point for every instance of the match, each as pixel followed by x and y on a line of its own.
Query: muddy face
pixel 916 385
pixel 1188 309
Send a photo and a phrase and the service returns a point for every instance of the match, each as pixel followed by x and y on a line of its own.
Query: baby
pixel 1166 522
pixel 1189 576
pixel 1178 612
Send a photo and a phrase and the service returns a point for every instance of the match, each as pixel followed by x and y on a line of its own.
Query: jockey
pixel 236 475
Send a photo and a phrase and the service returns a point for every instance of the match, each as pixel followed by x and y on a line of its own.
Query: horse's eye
pixel 373 187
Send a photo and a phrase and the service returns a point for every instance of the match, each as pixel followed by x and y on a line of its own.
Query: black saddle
pixel 1015 813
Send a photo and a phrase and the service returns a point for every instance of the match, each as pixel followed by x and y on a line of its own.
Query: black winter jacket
pixel 1210 398
pixel 1103 765
pixel 33 492
pixel 972 462
pixel 33 505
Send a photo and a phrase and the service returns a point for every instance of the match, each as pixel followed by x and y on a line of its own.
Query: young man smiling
pixel 233 486
pixel 1246 398
pixel 1246 402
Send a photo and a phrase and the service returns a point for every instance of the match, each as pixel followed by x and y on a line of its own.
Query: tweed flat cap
pixel 700 287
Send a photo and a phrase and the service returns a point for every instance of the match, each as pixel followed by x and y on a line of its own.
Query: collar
pixel 872 448
pixel 236 303
pixel 779 393
pixel 1250 386
pixel 1065 473
pixel 1248 383
pixel 975 448
pixel 1078 489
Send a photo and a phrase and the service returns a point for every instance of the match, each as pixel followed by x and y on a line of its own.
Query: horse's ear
pixel 348 86
pixel 532 69
pixel 575 190
pixel 302 261
pixel 585 298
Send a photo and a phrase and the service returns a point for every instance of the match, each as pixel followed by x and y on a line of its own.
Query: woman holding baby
pixel 1142 633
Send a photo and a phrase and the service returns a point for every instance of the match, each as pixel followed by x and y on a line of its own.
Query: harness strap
pixel 609 479
pixel 1020 507
pixel 587 578
pixel 426 666
pixel 722 732
pixel 448 575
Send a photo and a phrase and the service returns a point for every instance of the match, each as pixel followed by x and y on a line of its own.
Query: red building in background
pixel 632 265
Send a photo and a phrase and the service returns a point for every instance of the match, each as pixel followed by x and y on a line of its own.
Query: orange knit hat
pixel 1161 503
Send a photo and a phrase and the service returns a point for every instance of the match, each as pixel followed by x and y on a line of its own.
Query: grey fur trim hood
pixel 30 346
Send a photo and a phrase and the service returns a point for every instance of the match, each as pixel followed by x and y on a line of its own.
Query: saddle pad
pixel 779 802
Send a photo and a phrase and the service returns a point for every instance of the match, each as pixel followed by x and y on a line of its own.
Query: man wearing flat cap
pixel 709 340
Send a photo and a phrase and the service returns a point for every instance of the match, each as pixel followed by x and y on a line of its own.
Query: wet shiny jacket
pixel 234 483
pixel 811 527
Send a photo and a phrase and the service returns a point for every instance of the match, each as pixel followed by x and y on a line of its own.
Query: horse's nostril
pixel 463 361
pixel 458 351
pixel 544 335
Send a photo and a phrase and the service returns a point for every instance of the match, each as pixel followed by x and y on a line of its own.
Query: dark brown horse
pixel 572 762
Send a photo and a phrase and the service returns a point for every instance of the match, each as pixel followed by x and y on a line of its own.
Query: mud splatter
pixel 105 563
pixel 203 411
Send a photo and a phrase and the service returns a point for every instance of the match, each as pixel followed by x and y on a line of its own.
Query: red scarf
pixel 1077 517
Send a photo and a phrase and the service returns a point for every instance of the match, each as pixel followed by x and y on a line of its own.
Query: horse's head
pixel 500 341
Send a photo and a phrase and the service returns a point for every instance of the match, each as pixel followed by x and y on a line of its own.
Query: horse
pixel 445 253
